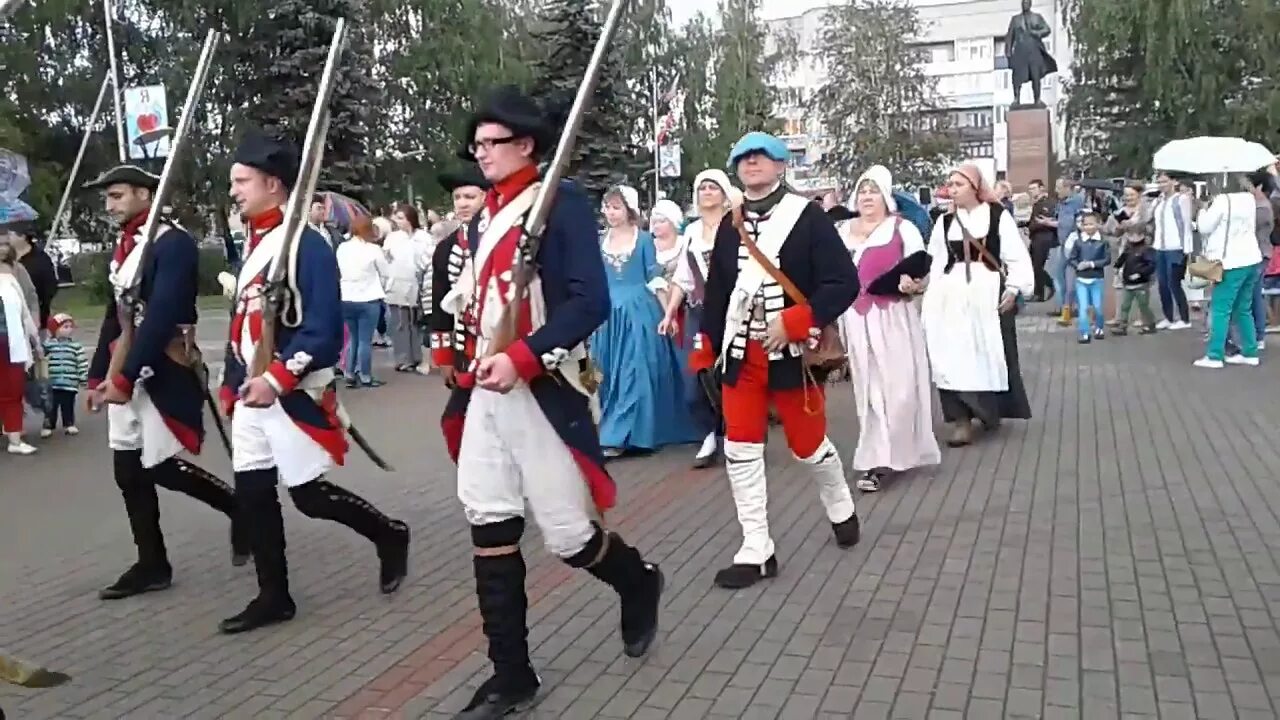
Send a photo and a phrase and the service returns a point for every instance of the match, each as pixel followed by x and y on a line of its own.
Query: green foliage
pixel 90 272
pixel 876 102
pixel 1150 71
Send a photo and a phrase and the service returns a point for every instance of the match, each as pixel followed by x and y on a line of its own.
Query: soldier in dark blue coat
pixel 286 425
pixel 529 431
pixel 155 395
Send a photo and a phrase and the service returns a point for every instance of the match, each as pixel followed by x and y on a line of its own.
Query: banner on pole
pixel 15 176
pixel 145 110
pixel 669 160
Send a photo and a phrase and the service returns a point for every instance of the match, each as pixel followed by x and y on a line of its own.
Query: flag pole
pixel 116 90
pixel 75 167
pixel 657 143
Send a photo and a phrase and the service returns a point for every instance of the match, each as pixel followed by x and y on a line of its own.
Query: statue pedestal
pixel 1030 147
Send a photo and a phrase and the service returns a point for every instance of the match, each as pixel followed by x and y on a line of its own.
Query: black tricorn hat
pixel 276 158
pixel 468 176
pixel 124 175
pixel 508 106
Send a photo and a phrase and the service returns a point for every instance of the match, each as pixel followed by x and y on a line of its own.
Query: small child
pixel 1089 255
pixel 1134 269
pixel 68 372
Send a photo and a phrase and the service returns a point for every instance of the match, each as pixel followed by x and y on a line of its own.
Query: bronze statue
pixel 1028 58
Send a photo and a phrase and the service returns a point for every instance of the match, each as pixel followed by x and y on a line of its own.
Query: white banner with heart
pixel 146 117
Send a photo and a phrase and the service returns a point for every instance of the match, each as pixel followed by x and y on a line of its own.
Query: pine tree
pixel 282 58
pixel 606 147
pixel 876 102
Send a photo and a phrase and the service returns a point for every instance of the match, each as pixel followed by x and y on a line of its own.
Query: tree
pixel 607 143
pixel 876 104
pixel 1150 71
pixel 287 47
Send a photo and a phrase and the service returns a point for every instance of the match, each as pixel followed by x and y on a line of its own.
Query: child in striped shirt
pixel 68 369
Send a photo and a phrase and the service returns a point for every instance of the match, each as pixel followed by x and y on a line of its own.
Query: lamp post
pixel 408 177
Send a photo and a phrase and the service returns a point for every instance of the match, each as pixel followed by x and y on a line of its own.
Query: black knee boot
pixel 639 585
pixel 259 505
pixel 323 500
pixel 152 571
pixel 181 476
pixel 503 610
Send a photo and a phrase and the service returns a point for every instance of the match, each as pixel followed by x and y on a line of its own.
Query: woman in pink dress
pixel 888 360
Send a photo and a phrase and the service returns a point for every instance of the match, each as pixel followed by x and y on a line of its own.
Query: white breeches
pixel 745 464
pixel 510 453
pixel 138 425
pixel 263 438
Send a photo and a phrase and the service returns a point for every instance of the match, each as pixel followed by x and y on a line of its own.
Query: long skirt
pixel 889 368
pixel 989 407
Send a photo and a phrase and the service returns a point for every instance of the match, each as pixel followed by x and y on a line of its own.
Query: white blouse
pixel 1013 252
pixel 912 240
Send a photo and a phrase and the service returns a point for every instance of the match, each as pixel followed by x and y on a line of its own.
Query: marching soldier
pixel 453 338
pixel 285 424
pixel 155 390
pixel 757 331
pixel 529 431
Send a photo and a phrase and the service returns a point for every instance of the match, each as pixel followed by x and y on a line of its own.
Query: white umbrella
pixel 1211 155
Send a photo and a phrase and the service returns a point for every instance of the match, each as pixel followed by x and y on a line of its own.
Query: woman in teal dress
pixel 642 394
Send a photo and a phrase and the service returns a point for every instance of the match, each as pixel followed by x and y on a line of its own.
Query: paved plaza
pixel 1114 557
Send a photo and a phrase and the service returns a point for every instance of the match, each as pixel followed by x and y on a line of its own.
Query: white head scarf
pixel 879 176
pixel 630 197
pixel 718 177
pixel 668 211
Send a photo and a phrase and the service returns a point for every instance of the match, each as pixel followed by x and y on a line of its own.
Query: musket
pixel 535 223
pixel 128 306
pixel 278 291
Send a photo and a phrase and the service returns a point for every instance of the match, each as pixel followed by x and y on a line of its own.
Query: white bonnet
pixel 879 176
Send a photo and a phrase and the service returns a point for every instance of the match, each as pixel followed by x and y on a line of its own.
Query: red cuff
pixel 123 384
pixel 281 379
pixel 528 365
pixel 442 357
pixel 797 320
pixel 227 397
pixel 704 357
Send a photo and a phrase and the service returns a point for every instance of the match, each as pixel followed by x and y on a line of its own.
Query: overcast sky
pixel 682 10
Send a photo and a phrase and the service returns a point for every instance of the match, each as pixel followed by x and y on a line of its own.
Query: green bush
pixel 90 272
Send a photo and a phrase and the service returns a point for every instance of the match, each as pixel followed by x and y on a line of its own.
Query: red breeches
pixel 802 410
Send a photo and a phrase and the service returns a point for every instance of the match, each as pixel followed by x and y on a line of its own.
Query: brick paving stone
pixel 1114 557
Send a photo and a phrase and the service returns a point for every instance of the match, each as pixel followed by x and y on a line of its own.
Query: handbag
pixel 1211 270
pixel 829 353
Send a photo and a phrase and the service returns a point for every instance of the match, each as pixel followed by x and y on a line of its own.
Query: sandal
pixel 870 482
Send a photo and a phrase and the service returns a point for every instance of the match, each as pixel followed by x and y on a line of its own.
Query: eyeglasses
pixel 489 143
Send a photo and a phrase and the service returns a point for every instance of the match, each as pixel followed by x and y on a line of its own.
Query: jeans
pixel 1089 295
pixel 1143 297
pixel 1171 265
pixel 361 319
pixel 1063 278
pixel 1232 305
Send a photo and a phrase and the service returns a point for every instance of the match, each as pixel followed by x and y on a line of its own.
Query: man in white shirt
pixel 1172 240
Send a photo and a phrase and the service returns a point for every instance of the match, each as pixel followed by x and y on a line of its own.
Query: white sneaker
pixel 1242 360
pixel 20 448
pixel 1272 329
pixel 709 445
pixel 1164 325
pixel 46 432
pixel 71 430
pixel 1205 362
pixel 1180 325
pixel 1262 344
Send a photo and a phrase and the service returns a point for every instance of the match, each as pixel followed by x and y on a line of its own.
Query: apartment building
pixel 963 49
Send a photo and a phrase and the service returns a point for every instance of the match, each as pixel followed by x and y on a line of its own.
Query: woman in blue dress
pixel 642 394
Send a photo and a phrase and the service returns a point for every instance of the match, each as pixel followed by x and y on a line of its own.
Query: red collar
pixel 505 190
pixel 263 223
pixel 128 231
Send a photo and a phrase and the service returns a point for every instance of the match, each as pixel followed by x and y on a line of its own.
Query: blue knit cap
pixel 758 142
